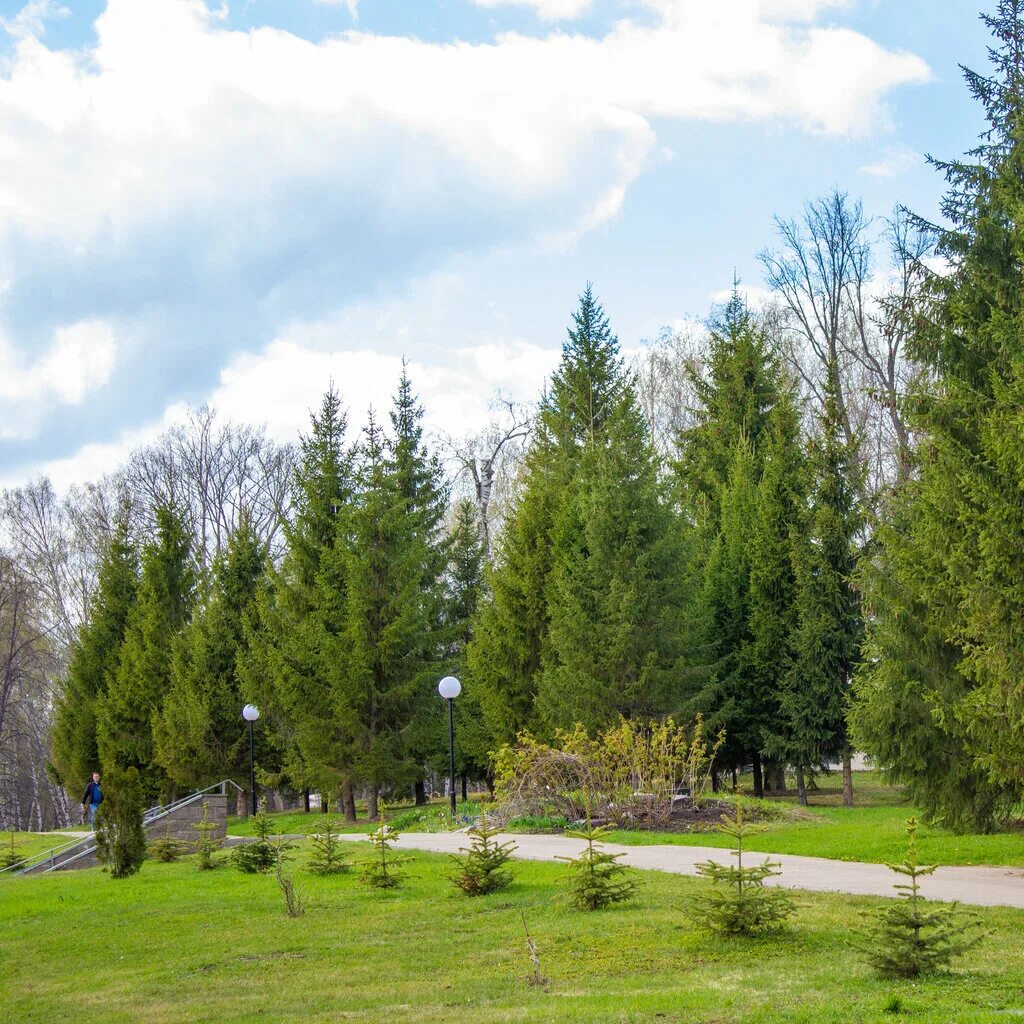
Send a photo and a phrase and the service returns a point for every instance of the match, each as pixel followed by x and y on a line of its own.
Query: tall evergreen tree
pixel 830 627
pixel 724 695
pixel 616 590
pixel 127 712
pixel 287 668
pixel 940 703
pixel 777 531
pixel 199 733
pixel 744 425
pixel 585 592
pixel 505 657
pixel 93 661
pixel 419 479
pixel 385 667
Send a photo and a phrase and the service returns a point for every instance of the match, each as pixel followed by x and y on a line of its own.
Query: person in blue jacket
pixel 92 799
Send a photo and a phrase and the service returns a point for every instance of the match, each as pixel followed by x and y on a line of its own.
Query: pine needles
pixel 913 936
pixel 481 869
pixel 739 903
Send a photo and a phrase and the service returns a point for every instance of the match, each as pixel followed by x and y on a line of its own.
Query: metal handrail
pixel 88 842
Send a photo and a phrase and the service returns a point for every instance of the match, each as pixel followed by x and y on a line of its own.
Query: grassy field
pixel 175 945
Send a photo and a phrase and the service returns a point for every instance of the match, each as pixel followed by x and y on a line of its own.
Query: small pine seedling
pixel 536 978
pixel 10 856
pixel 167 849
pixel 259 857
pixel 381 869
pixel 481 869
pixel 740 903
pixel 292 901
pixel 206 844
pixel 596 877
pixel 328 856
pixel 912 936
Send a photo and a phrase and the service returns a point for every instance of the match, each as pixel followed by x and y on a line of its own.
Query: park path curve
pixel 980 886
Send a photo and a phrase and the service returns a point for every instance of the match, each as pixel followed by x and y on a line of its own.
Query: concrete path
pixel 982 886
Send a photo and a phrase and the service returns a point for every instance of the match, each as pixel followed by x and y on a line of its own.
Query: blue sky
pixel 235 202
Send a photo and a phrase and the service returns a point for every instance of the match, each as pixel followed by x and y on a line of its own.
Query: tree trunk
pixel 758 777
pixel 348 802
pixel 735 781
pixel 305 800
pixel 489 782
pixel 847 780
pixel 801 787
pixel 419 792
pixel 716 784
pixel 775 777
pixel 465 789
pixel 373 804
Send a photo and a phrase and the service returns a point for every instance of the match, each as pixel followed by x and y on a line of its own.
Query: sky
pixel 237 202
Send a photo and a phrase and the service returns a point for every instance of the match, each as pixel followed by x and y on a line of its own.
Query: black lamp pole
pixel 252 769
pixel 451 753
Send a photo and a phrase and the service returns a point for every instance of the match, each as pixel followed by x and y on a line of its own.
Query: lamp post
pixel 450 688
pixel 250 713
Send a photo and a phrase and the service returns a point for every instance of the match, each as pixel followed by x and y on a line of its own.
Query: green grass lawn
pixel 873 830
pixel 175 945
pixel 28 843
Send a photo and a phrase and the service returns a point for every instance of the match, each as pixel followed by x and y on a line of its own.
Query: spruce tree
pixel 200 738
pixel 586 589
pixel 744 419
pixel 913 937
pixel 385 658
pixel 940 704
pixel 616 590
pixel 285 668
pixel 419 480
pixel 93 660
pixel 128 711
pixel 721 680
pixel 464 589
pixel 829 628
pixel 778 520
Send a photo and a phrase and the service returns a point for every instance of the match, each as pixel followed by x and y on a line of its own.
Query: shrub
pixel 628 773
pixel 481 869
pixel 912 936
pixel 596 878
pixel 206 844
pixel 381 869
pixel 292 901
pixel 740 903
pixel 328 857
pixel 260 856
pixel 168 849
pixel 120 839
pixel 10 856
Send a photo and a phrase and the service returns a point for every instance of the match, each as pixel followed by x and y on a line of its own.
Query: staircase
pixel 175 818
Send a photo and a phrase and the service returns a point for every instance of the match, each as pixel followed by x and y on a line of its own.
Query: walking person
pixel 91 800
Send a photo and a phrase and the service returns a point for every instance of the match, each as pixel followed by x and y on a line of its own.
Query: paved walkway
pixel 982 886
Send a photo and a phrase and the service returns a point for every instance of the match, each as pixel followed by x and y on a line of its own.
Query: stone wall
pixel 178 824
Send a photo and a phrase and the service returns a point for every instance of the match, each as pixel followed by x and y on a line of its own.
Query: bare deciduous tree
pixel 831 305
pixel 489 461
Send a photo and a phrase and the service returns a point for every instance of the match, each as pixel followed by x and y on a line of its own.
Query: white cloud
pixel 172 113
pixel 895 161
pixel 546 10
pixel 79 359
pixel 206 188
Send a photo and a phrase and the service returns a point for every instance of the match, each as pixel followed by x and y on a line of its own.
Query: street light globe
pixel 250 712
pixel 449 687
